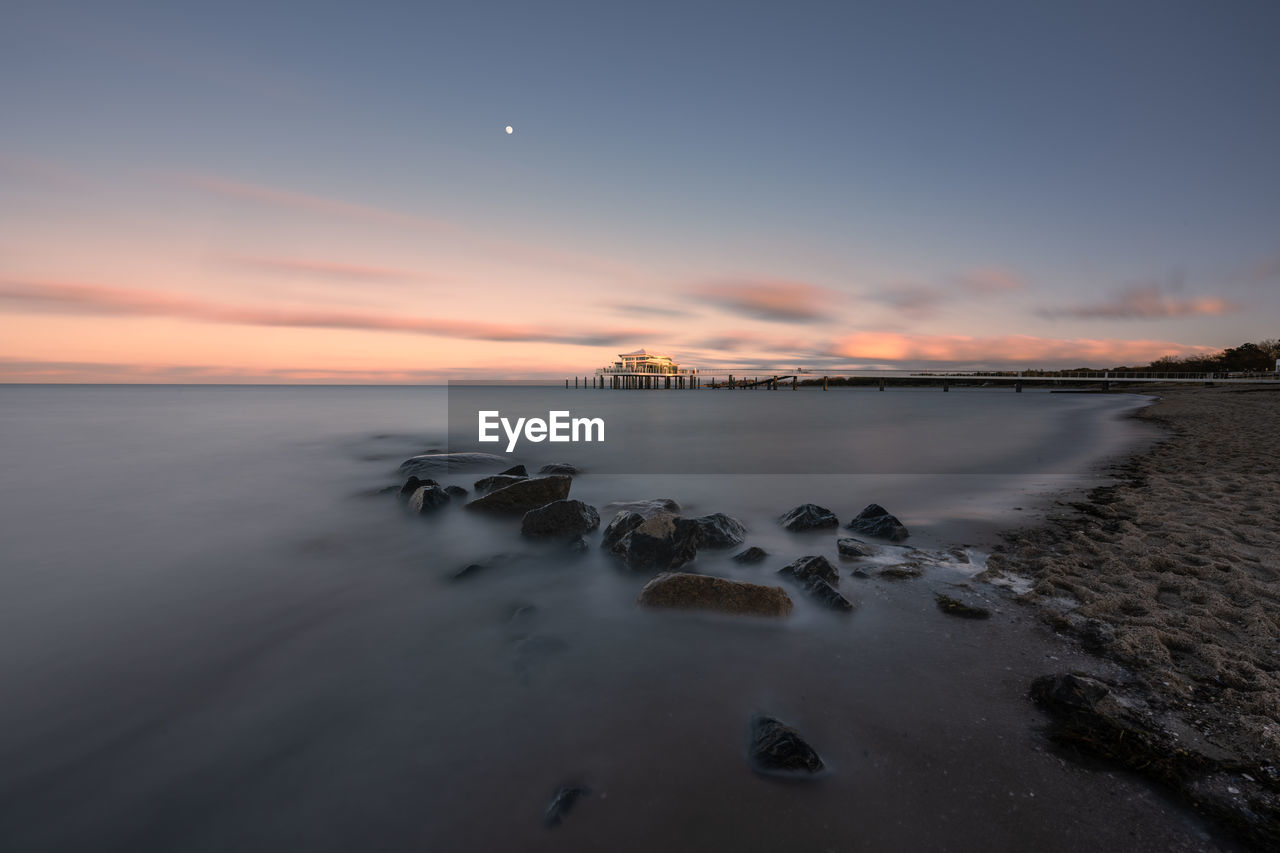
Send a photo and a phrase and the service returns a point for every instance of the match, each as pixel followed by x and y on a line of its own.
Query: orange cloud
pixel 112 301
pixel 767 299
pixel 1143 302
pixel 1007 349
pixel 334 270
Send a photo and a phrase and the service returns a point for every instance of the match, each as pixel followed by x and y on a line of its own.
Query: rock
pixel 809 517
pixel 563 519
pixel 901 571
pixel 751 555
pixel 427 498
pixel 578 546
pixel 438 463
pixel 662 541
pixel 560 468
pixel 488 484
pixel 645 508
pixel 562 801
pixel 778 749
pixel 876 521
pixel 682 590
pixel 852 549
pixel 622 524
pixel 514 471
pixel 412 485
pixel 468 571
pixel 720 530
pixel 956 607
pixel 524 495
pixel 455 491
pixel 826 594
pixel 810 567
pixel 1097 636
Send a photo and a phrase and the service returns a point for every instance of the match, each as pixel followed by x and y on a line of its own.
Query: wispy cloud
pixel 990 281
pixel 917 300
pixel 99 300
pixel 333 270
pixel 895 347
pixel 1142 302
pixel 769 299
pixel 913 300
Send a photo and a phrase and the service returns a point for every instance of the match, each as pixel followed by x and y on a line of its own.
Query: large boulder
pixel 662 541
pixel 622 524
pixel 876 521
pixel 487 484
pixel 720 530
pixel 703 592
pixel 427 499
pixel 778 749
pixel 811 567
pixel 524 495
pixel 439 463
pixel 563 519
pixel 809 517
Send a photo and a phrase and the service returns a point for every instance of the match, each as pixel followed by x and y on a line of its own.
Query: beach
pixel 1174 573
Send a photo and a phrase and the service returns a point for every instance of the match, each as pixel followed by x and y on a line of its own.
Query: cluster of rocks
pixel 874 520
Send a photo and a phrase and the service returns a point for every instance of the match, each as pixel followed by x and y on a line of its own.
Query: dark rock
pixel 956 607
pixel 560 468
pixel 427 498
pixel 860 573
pixel 468 571
pixel 622 524
pixel 902 571
pixel 438 463
pixel 1097 636
pixel 488 484
pixel 809 517
pixel 514 471
pixel 660 542
pixel 826 594
pixel 751 555
pixel 811 567
pixel 562 801
pixel 578 546
pixel 852 549
pixel 876 521
pixel 778 749
pixel 645 508
pixel 682 590
pixel 720 530
pixel 455 491
pixel 412 485
pixel 564 519
pixel 524 495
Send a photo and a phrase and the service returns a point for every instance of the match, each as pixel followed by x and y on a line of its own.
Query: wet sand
pixel 1174 573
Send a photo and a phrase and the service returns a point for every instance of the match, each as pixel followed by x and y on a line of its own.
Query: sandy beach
pixel 1173 574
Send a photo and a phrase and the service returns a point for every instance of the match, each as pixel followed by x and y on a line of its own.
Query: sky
pixel 326 192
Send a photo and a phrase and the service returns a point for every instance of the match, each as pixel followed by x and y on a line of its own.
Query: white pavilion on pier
pixel 644 369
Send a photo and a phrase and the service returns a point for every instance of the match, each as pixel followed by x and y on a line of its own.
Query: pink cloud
pixel 768 299
pixel 1143 302
pixel 329 269
pixel 1007 349
pixel 112 301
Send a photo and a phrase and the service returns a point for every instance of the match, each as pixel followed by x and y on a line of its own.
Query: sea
pixel 220 630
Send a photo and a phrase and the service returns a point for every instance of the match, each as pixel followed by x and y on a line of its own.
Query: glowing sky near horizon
pixel 313 192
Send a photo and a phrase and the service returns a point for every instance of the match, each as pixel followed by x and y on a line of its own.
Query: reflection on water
pixel 214 638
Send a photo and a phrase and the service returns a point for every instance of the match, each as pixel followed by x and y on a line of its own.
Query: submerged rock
pixel 682 590
pixel 562 802
pixel 720 530
pixel 412 485
pixel 662 541
pixel 956 607
pixel 560 468
pixel 427 498
pixel 455 491
pixel 438 463
pixel 488 484
pixel 809 517
pixel 852 549
pixel 811 567
pixel 524 495
pixel 824 593
pixel 645 508
pixel 564 519
pixel 514 471
pixel 751 555
pixel 876 521
pixel 622 524
pixel 778 749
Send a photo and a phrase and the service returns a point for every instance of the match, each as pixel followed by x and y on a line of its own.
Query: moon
pixel 510 130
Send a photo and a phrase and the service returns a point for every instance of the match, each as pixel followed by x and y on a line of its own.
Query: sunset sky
pixel 325 192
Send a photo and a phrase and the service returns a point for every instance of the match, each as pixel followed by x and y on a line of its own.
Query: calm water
pixel 212 637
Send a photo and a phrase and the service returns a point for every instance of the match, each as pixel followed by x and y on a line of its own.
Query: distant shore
pixel 1174 573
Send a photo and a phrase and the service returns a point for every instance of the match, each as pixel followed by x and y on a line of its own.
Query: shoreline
pixel 1171 573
